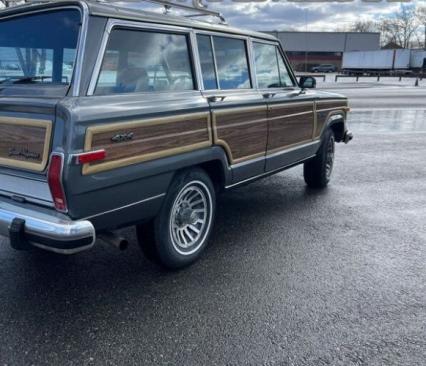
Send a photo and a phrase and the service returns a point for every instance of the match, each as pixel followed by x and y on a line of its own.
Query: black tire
pixel 317 171
pixel 181 230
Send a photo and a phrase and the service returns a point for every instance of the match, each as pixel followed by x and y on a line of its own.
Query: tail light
pixel 54 178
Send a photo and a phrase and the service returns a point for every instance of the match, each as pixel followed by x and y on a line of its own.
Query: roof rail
pixel 198 9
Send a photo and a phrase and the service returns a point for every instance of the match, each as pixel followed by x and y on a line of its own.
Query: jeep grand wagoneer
pixel 111 117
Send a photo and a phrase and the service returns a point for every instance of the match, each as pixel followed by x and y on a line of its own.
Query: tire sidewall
pixel 166 249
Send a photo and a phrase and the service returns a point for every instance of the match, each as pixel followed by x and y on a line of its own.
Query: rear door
pixel 291 116
pixel 239 115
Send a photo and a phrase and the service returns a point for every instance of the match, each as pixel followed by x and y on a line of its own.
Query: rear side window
pixel 232 63
pixel 143 61
pixel 271 71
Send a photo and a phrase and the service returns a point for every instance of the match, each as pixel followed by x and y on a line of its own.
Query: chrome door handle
pixel 216 98
pixel 268 95
pixel 296 93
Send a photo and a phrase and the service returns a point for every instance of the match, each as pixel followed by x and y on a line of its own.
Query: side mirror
pixel 307 82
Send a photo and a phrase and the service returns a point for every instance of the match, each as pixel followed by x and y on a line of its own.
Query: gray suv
pixel 119 117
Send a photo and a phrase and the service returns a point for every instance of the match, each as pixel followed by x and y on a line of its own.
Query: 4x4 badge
pixel 24 153
pixel 121 137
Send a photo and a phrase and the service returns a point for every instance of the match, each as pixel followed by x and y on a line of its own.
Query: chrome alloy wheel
pixel 191 217
pixel 329 159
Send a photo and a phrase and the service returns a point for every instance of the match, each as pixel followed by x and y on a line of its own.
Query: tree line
pixel 405 28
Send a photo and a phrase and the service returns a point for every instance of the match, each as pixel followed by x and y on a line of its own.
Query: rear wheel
pixel 317 171
pixel 180 232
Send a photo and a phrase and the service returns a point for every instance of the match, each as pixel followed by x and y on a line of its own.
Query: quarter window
pixel 143 61
pixel 232 63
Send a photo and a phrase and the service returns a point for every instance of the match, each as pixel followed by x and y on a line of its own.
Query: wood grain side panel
pixel 288 131
pixel 25 143
pixel 325 109
pixel 290 124
pixel 242 132
pixel 151 139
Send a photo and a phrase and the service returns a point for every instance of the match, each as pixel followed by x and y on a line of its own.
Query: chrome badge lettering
pixel 122 137
pixel 23 153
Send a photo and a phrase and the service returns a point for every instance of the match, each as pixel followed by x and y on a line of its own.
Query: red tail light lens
pixel 54 178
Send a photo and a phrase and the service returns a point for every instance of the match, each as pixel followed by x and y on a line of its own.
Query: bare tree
pixel 364 26
pixel 401 28
pixel 421 17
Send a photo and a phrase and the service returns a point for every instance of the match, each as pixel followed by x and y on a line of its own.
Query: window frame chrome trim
pixel 113 23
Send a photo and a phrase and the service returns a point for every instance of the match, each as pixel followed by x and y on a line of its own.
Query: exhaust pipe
pixel 115 240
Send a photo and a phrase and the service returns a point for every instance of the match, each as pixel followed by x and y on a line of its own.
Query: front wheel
pixel 181 230
pixel 317 171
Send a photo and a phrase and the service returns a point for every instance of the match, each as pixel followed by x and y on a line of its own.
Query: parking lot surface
pixel 292 276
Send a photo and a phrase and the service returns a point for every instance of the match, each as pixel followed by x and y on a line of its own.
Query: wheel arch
pixel 337 123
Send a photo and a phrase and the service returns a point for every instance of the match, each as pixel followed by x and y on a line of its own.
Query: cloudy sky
pixel 302 15
pixel 311 15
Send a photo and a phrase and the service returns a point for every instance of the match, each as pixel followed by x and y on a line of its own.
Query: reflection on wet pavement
pixel 387 121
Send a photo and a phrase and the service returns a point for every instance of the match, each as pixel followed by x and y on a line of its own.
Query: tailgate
pixel 25 142
pixel 26 136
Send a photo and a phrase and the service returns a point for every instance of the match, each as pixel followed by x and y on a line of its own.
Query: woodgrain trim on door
pixel 290 124
pixel 151 139
pixel 325 109
pixel 241 131
pixel 29 138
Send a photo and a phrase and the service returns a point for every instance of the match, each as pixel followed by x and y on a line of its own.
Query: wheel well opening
pixel 338 129
pixel 215 171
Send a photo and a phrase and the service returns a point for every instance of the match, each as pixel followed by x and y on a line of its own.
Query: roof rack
pixel 198 8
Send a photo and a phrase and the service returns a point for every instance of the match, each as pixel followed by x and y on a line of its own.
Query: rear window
pixel 39 48
pixel 145 61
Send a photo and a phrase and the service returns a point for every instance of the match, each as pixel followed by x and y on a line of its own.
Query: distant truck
pixel 383 61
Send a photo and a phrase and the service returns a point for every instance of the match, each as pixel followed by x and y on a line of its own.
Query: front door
pixel 291 117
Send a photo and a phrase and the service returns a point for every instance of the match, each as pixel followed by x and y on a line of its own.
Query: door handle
pixel 296 93
pixel 216 98
pixel 268 95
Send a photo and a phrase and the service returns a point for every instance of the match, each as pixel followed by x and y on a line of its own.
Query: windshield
pixel 39 48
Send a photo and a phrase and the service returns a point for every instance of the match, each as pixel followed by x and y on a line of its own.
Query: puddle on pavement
pixel 388 121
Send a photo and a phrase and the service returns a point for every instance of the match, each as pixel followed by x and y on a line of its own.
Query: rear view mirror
pixel 307 82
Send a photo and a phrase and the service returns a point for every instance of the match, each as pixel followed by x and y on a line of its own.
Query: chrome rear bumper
pixel 45 229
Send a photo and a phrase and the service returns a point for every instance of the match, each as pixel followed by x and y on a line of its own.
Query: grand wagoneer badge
pixel 23 153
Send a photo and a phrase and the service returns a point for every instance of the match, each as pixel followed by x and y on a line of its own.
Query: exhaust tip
pixel 115 240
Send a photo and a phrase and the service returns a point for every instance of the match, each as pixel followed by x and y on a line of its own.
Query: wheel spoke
pixel 188 233
pixel 193 228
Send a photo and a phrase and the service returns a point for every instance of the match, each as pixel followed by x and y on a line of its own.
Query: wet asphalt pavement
pixel 292 276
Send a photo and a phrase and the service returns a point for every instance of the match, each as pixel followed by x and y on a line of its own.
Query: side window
pixel 207 62
pixel 232 63
pixel 284 73
pixel 143 61
pixel 266 64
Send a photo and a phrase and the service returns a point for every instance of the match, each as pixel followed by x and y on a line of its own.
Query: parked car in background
pixel 324 68
pixel 142 119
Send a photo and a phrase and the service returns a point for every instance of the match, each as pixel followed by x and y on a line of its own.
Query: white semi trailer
pixel 382 61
